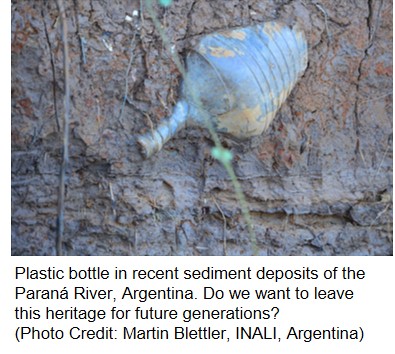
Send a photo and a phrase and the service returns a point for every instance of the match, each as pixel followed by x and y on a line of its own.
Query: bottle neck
pixel 152 142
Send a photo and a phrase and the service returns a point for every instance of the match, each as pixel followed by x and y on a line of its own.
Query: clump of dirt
pixel 318 182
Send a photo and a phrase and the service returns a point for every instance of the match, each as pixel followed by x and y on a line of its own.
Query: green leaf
pixel 165 3
pixel 221 154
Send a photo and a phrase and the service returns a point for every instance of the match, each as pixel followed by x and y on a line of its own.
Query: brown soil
pixel 318 182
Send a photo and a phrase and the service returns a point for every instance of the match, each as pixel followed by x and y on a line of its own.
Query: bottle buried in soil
pixel 237 79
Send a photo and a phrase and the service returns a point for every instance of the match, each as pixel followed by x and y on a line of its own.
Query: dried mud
pixel 318 182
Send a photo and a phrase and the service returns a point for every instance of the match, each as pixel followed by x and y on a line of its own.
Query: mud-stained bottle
pixel 237 79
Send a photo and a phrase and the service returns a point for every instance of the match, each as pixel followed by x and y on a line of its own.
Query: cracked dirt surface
pixel 318 182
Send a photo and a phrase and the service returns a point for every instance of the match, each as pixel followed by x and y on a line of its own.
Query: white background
pixel 371 308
